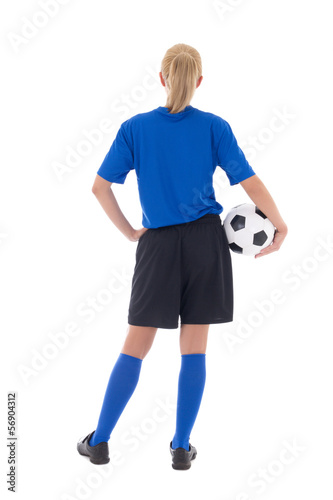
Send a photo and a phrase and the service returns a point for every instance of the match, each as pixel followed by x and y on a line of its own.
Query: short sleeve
pixel 119 159
pixel 231 158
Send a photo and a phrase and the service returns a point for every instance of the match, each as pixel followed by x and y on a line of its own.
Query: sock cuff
pixel 130 358
pixel 194 354
pixel 193 360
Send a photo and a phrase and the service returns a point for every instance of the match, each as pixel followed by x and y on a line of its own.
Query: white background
pixel 87 63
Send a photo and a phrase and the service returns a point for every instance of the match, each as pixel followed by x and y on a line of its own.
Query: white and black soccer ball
pixel 248 230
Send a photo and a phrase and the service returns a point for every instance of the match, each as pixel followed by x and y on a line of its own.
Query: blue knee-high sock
pixel 122 382
pixel 191 383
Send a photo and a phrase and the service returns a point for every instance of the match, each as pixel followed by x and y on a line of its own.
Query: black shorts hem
pixel 209 322
pixel 149 324
pixel 186 322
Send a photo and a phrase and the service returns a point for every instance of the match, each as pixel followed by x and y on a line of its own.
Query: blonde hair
pixel 181 68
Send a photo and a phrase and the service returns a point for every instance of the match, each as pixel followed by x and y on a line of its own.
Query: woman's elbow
pixel 100 185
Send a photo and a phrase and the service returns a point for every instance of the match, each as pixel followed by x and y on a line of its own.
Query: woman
pixel 183 263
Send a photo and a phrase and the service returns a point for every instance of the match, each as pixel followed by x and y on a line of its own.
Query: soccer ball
pixel 248 230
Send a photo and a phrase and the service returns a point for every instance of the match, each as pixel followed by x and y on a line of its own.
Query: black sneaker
pixel 98 454
pixel 181 458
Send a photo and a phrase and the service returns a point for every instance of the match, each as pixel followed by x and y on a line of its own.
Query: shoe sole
pixel 182 464
pixel 94 461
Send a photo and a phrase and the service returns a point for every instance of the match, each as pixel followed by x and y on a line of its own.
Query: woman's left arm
pixel 261 197
pixel 103 192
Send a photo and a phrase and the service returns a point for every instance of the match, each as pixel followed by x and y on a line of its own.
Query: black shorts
pixel 182 270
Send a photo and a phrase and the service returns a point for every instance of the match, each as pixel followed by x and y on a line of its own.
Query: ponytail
pixel 181 69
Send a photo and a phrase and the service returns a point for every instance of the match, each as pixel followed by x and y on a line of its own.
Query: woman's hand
pixel 278 239
pixel 137 233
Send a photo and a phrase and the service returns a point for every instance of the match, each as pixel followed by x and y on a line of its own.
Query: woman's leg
pixel 191 382
pixel 193 338
pixel 123 380
pixel 139 340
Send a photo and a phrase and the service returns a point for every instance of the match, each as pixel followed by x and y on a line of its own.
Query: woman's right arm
pixel 260 196
pixel 104 194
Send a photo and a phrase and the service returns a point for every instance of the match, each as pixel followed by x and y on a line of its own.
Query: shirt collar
pixel 165 111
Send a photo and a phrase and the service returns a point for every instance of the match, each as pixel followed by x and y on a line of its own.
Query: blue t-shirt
pixel 174 157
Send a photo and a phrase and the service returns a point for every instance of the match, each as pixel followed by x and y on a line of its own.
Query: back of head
pixel 181 68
